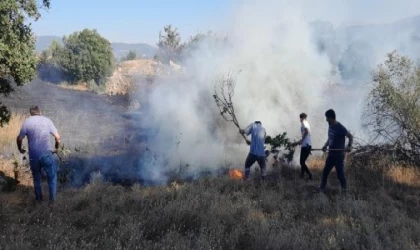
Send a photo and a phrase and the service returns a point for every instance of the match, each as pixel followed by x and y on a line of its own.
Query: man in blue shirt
pixel 38 129
pixel 257 151
pixel 337 134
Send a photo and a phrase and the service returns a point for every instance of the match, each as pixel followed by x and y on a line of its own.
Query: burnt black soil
pixel 99 130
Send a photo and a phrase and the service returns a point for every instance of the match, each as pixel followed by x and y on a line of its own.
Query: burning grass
pixel 220 213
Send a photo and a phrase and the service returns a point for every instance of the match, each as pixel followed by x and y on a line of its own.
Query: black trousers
pixel 250 160
pixel 304 154
pixel 334 160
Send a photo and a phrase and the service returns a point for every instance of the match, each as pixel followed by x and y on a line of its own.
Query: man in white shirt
pixel 306 145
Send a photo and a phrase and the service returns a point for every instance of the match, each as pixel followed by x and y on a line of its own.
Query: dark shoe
pixel 310 177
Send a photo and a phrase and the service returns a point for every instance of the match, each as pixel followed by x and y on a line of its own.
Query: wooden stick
pixel 320 149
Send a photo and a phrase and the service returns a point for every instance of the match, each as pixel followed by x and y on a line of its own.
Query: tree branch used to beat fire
pixel 224 90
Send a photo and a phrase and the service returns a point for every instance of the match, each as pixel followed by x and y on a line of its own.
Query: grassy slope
pixel 217 213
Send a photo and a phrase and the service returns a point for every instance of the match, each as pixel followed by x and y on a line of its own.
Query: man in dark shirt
pixel 337 134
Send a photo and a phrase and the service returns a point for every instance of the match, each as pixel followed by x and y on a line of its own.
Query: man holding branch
pixel 335 144
pixel 257 151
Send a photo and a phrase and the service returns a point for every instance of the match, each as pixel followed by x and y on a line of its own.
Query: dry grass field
pixel 380 211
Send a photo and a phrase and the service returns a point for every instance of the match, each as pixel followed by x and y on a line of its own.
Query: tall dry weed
pixel 9 132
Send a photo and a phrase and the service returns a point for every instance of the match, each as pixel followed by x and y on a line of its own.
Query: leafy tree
pixel 131 55
pixel 49 67
pixel 17 45
pixel 392 113
pixel 169 44
pixel 86 56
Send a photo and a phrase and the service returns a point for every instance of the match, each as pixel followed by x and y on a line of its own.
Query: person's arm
pixel 57 140
pixel 324 148
pixel 19 141
pixel 20 138
pixel 350 145
pixel 54 132
pixel 246 131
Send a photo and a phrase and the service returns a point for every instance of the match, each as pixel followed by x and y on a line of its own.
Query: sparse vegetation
pixel 393 110
pixel 131 55
pixel 170 46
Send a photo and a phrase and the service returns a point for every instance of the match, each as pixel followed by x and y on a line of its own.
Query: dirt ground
pixel 100 131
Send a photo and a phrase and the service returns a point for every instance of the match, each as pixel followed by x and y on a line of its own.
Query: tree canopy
pixel 392 113
pixel 84 56
pixel 87 56
pixel 169 44
pixel 17 45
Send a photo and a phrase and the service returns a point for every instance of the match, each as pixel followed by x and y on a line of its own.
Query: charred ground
pixel 101 132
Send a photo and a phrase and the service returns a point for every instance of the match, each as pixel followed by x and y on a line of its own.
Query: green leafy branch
pixel 281 142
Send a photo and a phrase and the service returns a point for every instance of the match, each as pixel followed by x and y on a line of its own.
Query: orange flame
pixel 236 174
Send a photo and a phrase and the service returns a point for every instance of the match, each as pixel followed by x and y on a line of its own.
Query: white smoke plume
pixel 282 74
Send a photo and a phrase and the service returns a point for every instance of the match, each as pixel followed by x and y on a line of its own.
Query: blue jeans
pixel 250 160
pixel 49 163
pixel 334 160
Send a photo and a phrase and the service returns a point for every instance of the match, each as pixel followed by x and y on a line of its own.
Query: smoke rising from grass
pixel 283 73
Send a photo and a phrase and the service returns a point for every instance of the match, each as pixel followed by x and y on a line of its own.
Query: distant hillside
pixel 120 49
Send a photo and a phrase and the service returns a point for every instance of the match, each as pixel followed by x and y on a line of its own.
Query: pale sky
pixel 140 20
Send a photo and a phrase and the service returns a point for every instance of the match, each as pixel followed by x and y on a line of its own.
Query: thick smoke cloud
pixel 287 68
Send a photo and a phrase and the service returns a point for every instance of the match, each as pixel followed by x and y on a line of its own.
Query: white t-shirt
pixel 307 141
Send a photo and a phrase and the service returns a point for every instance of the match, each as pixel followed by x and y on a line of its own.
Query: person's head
pixel 330 116
pixel 34 110
pixel 303 117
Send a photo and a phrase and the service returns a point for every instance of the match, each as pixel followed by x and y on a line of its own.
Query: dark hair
pixel 303 116
pixel 330 114
pixel 34 110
